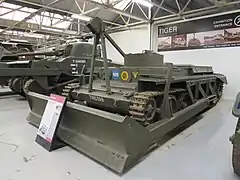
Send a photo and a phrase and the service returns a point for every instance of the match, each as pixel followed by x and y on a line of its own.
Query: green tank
pixel 122 113
pixel 49 74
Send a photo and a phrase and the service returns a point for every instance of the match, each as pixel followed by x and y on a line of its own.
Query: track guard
pixel 222 78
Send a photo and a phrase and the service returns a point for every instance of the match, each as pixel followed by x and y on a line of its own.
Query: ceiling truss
pixel 134 13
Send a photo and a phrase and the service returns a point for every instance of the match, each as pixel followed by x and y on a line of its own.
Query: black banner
pixel 214 32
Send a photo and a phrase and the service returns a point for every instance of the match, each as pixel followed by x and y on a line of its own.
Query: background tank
pixel 47 75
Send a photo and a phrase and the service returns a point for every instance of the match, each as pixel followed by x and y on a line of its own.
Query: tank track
pixel 15 84
pixel 26 87
pixel 10 84
pixel 220 90
pixel 235 154
pixel 68 89
pixel 32 85
pixel 139 103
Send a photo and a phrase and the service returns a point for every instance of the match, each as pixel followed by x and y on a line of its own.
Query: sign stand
pixel 46 135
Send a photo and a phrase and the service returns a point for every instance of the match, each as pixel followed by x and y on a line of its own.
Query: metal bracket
pixel 165 108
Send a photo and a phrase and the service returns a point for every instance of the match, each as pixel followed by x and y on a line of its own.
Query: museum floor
pixel 201 151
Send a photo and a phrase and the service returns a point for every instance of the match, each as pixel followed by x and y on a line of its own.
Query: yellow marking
pixel 124 75
pixel 135 74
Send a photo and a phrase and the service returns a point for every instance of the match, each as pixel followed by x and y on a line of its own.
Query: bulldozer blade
pixel 116 141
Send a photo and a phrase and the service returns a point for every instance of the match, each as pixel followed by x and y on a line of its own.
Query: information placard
pixel 212 32
pixel 46 135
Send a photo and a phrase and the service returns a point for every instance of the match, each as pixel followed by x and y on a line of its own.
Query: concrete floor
pixel 202 151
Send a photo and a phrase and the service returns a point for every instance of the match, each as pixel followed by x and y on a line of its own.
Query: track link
pixel 66 92
pixel 26 87
pixel 33 86
pixel 10 84
pixel 140 105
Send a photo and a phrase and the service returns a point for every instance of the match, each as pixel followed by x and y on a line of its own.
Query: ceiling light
pixel 33 35
pixel 52 29
pixel 144 3
pixel 71 32
pixel 81 17
pixel 10 43
pixel 18 40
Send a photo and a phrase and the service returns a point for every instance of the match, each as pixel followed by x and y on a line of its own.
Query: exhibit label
pixel 214 32
pixel 51 117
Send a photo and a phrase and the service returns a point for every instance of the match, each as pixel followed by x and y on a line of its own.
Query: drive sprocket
pixel 33 86
pixel 68 89
pixel 143 106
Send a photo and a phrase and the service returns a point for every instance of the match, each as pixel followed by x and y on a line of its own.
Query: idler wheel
pixel 15 84
pixel 173 104
pixel 10 84
pixel 150 110
pixel 183 101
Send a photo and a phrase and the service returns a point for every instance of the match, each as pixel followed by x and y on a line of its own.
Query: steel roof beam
pixel 11 10
pixel 9 24
pixel 44 6
pixel 191 13
pixel 163 8
pixel 185 6
pixel 115 10
pixel 39 11
pixel 43 15
pixel 210 2
pixel 158 8
pixel 56 9
pixel 178 5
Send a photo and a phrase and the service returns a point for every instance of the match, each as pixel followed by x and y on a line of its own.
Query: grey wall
pixel 131 41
